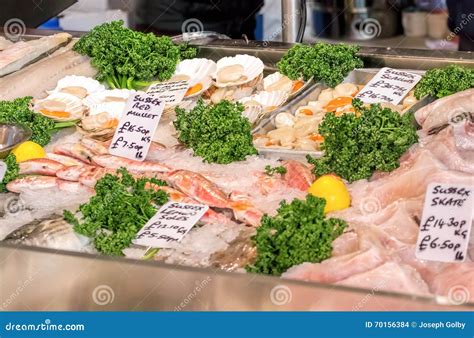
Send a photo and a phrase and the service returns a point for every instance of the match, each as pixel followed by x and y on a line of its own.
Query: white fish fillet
pixel 43 75
pixel 4 43
pixel 22 53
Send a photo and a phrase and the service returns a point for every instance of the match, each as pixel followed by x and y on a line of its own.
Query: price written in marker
pixel 170 224
pixel 170 92
pixel 137 126
pixel 388 85
pixel 446 223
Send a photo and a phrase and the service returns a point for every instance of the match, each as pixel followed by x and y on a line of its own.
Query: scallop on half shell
pixel 198 72
pixel 269 100
pixel 277 81
pixel 106 96
pixel 79 86
pixel 60 107
pixel 237 70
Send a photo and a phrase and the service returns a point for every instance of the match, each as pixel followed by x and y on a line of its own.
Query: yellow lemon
pixel 28 150
pixel 333 190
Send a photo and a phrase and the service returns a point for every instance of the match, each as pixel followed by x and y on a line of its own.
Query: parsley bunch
pixel 18 111
pixel 440 82
pixel 298 233
pixel 218 133
pixel 354 147
pixel 121 207
pixel 270 171
pixel 130 59
pixel 322 62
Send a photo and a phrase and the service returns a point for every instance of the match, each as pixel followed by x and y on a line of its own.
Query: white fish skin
pixel 32 183
pixel 21 53
pixel 40 166
pixel 43 75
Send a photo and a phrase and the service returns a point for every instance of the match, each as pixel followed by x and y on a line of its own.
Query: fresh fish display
pixel 18 55
pixel 75 150
pixel 54 233
pixel 115 162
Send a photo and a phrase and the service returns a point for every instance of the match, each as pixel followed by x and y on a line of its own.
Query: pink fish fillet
pixel 199 188
pixel 115 162
pixel 389 277
pixel 40 166
pixel 76 150
pixel 90 177
pixel 244 210
pixel 74 187
pixel 298 175
pixel 73 173
pixel 64 160
pixel 442 110
pixel 32 183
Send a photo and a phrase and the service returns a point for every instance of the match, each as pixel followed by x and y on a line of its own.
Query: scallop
pixel 306 111
pixel 261 141
pixel 277 81
pixel 345 89
pixel 286 135
pixel 79 86
pixel 237 70
pixel 305 143
pixel 317 106
pixel 409 101
pixel 60 106
pixel 114 95
pixel 198 72
pixel 326 96
pixel 113 109
pixel 284 120
pixel 304 127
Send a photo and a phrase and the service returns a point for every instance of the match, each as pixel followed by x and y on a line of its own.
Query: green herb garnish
pixel 298 233
pixel 440 82
pixel 121 207
pixel 322 62
pixel 354 147
pixel 12 171
pixel 275 170
pixel 218 133
pixel 129 59
pixel 18 111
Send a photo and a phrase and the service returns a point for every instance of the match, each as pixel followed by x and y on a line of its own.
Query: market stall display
pixel 348 215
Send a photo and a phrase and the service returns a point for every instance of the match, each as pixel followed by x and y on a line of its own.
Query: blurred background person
pixel 172 17
pixel 461 22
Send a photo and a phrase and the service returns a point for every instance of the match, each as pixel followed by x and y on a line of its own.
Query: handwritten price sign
pixel 137 126
pixel 171 92
pixel 446 223
pixel 170 224
pixel 388 85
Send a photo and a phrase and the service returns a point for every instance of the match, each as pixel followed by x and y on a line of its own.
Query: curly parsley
pixel 128 59
pixel 323 62
pixel 440 82
pixel 354 147
pixel 218 133
pixel 121 207
pixel 298 233
pixel 12 171
pixel 275 170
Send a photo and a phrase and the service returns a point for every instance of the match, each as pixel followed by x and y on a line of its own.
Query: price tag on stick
pixel 170 92
pixel 170 224
pixel 446 223
pixel 137 126
pixel 388 85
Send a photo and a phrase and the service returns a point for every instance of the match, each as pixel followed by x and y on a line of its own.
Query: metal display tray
pixel 357 76
pixel 46 279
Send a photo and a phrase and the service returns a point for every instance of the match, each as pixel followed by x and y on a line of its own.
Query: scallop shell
pixel 237 70
pixel 79 86
pixel 114 109
pixel 197 72
pixel 268 100
pixel 114 95
pixel 61 102
pixel 253 112
pixel 284 120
